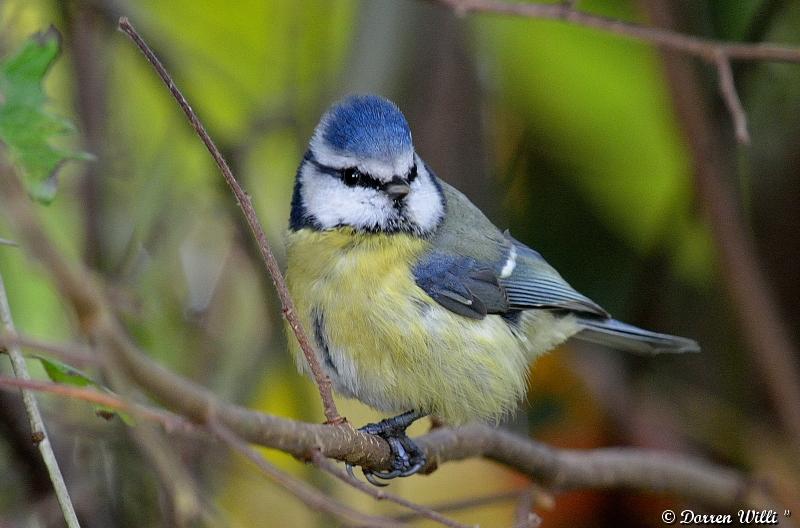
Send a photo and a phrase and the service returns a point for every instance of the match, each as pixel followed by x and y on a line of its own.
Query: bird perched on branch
pixel 416 302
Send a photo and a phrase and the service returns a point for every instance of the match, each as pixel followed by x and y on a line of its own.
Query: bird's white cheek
pixel 331 204
pixel 424 204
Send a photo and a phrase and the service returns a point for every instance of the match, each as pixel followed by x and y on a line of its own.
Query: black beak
pixel 397 189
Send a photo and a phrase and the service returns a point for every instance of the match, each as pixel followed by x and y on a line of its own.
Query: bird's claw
pixel 407 457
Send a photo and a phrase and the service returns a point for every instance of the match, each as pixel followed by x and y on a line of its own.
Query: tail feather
pixel 629 338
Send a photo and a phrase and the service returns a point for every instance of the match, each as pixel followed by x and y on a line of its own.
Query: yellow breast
pixel 383 340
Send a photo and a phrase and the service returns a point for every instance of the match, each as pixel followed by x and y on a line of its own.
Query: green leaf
pixel 59 372
pixel 26 127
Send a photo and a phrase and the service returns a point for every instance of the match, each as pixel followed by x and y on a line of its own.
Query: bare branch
pixel 171 422
pixel 4 242
pixel 565 12
pixel 298 488
pixel 609 468
pixel 74 355
pixel 243 199
pixel 731 98
pixel 464 504
pixel 714 52
pixel 325 464
pixel 38 431
pixel 526 518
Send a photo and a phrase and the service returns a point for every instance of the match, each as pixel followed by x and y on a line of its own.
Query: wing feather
pixel 536 284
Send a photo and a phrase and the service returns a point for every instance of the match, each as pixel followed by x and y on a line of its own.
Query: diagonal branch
pixel 326 465
pixel 717 53
pixel 38 431
pixel 171 422
pixel 310 496
pixel 565 12
pixel 245 203
pixel 731 98
pixel 74 355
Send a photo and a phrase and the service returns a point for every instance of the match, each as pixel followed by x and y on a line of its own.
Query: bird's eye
pixel 351 176
pixel 412 174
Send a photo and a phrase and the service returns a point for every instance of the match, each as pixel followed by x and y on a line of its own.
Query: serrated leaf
pixel 60 372
pixel 26 127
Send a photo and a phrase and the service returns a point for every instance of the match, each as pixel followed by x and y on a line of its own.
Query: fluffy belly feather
pixel 384 341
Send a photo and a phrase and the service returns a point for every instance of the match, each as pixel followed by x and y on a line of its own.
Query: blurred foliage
pixel 25 125
pixel 567 136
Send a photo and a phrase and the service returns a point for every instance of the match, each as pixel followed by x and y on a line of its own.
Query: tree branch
pixel 38 431
pixel 300 489
pixel 171 422
pixel 608 468
pixel 464 504
pixel 73 355
pixel 717 53
pixel 326 465
pixel 731 98
pixel 243 199
pixel 565 12
pixel 526 518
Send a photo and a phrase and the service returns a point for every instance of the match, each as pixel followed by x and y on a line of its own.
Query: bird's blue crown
pixel 366 126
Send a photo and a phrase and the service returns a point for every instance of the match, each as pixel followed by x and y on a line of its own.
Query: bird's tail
pixel 622 336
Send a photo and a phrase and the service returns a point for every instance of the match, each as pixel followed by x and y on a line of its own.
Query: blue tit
pixel 417 303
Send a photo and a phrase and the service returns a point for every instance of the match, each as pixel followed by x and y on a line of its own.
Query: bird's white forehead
pixel 383 170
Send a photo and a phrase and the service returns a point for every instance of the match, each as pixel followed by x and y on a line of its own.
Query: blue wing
pixel 461 284
pixel 472 288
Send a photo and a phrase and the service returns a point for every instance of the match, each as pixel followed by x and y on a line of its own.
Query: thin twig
pixel 171 422
pixel 326 465
pixel 243 199
pixel 464 504
pixel 39 434
pixel 72 354
pixel 4 242
pixel 704 48
pixel 731 98
pixel 174 423
pixel 310 496
pixel 525 517
pixel 717 53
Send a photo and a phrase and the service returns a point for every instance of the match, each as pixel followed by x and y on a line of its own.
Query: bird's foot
pixel 407 457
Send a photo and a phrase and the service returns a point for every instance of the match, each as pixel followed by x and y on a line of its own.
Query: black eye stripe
pixel 353 177
pixel 348 175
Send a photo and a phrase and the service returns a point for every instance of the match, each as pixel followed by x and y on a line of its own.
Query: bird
pixel 417 304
